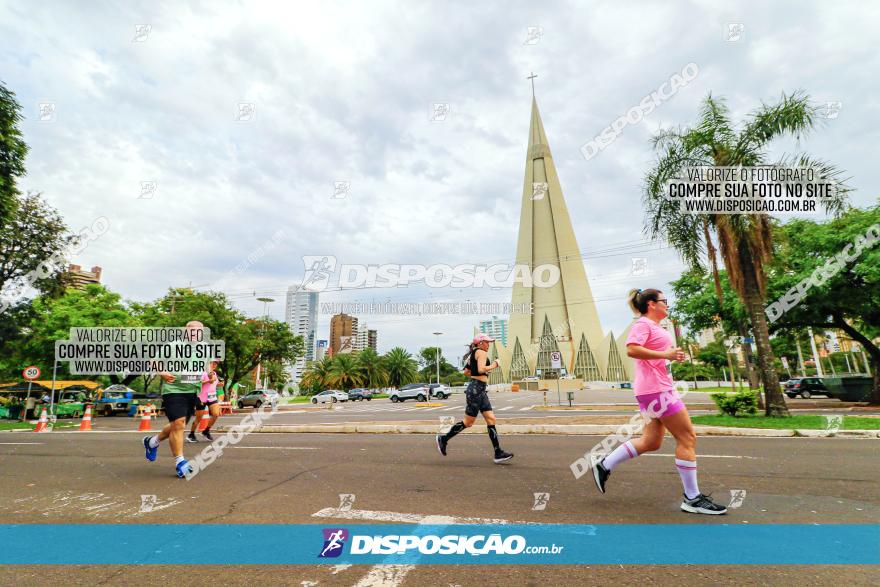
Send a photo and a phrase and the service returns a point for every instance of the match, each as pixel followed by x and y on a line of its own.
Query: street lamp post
pixel 437 334
pixel 266 302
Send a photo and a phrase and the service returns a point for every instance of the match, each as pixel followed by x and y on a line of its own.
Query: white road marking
pixel 405 518
pixel 282 447
pixel 525 409
pixel 385 576
pixel 654 454
pixel 338 568
pixel 505 408
pixel 22 443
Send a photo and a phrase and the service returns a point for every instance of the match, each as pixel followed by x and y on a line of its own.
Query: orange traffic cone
pixel 145 421
pixel 43 423
pixel 86 423
pixel 203 421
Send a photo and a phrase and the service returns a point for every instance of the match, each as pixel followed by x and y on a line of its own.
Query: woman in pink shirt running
pixel 652 347
pixel 206 400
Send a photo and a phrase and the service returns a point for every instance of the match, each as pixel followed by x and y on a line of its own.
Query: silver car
pixel 416 391
pixel 258 397
pixel 330 395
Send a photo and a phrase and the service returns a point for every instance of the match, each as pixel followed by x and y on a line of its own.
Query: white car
pixel 330 395
pixel 531 378
pixel 439 390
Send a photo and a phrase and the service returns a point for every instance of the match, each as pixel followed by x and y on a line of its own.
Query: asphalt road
pixel 506 405
pixel 88 478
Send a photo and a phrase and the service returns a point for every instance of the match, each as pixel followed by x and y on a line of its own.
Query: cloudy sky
pixel 344 92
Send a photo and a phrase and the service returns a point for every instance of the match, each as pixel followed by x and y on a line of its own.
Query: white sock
pixel 687 470
pixel 154 441
pixel 624 452
pixel 178 459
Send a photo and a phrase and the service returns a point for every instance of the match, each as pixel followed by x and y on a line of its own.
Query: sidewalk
pixel 593 425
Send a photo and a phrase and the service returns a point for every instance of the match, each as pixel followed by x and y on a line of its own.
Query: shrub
pixel 739 403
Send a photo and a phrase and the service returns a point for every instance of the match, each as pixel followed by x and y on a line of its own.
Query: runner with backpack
pixel 478 367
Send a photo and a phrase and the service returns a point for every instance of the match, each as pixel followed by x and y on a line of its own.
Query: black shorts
pixel 477 398
pixel 204 405
pixel 179 405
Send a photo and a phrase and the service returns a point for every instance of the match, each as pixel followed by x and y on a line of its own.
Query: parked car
pixel 439 390
pixel 71 403
pixel 416 391
pixel 258 397
pixel 360 395
pixel 330 395
pixel 805 387
pixel 531 378
pixel 114 400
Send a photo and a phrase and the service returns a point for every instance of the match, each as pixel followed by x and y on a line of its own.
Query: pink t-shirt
pixel 209 389
pixel 652 375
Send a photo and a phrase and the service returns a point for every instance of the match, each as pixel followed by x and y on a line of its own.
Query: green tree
pixel 247 342
pixel 53 318
pixel 316 376
pixel 714 354
pixel 428 362
pixel 848 297
pixel 32 246
pixel 401 367
pixel 345 372
pixel 13 151
pixel 371 369
pixel 744 240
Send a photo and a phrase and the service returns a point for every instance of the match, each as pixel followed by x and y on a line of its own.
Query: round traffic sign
pixel 31 373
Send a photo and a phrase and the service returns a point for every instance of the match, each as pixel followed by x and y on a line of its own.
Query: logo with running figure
pixel 334 541
pixel 319 269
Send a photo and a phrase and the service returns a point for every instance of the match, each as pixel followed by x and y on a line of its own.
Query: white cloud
pixel 343 92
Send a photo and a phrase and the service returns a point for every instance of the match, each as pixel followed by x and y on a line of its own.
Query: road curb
pixel 569 429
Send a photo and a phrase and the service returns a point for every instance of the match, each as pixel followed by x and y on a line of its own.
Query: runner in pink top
pixel 206 400
pixel 652 347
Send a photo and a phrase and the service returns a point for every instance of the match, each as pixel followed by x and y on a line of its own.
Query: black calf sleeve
pixel 456 428
pixel 493 435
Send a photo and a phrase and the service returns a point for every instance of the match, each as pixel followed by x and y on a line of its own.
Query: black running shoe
pixel 191 437
pixel 441 444
pixel 702 505
pixel 600 475
pixel 207 435
pixel 501 456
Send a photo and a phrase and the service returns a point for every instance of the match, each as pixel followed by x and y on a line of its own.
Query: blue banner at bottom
pixel 544 544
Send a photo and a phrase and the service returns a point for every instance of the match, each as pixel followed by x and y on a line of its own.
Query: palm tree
pixel 372 369
pixel 316 376
pixel 400 366
pixel 345 372
pixel 744 240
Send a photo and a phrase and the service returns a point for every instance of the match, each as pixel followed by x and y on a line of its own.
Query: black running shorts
pixel 477 399
pixel 179 405
pixel 204 406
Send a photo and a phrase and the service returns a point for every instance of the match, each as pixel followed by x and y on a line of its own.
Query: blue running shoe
pixel 183 468
pixel 151 452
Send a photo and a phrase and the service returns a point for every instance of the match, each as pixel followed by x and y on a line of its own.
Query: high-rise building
pixel 564 317
pixel 320 350
pixel 301 315
pixel 343 333
pixel 365 338
pixel 79 278
pixel 496 328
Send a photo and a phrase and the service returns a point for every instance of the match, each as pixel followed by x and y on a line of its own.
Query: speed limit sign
pixel 31 373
